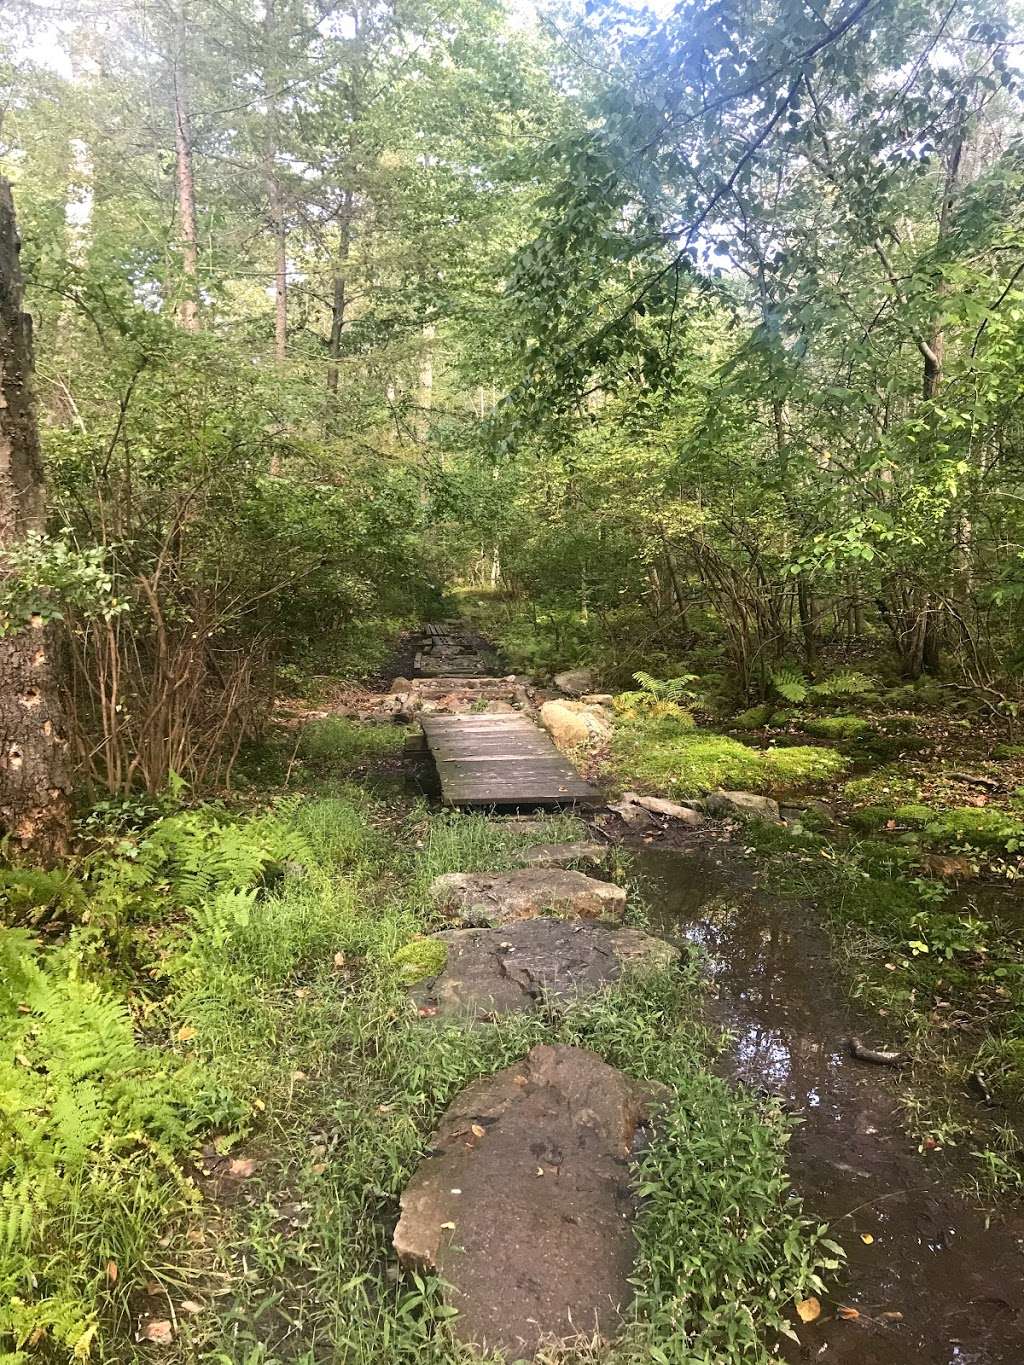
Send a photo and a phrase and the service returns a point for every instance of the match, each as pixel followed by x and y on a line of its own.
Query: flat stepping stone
pixel 521 967
pixel 561 855
pixel 490 898
pixel 523 1206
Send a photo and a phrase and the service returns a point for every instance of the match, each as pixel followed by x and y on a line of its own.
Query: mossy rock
pixel 838 727
pixel 755 718
pixel 419 959
pixel 981 827
pixel 693 763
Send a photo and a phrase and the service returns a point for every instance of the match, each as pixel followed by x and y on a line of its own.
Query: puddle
pixel 956 1277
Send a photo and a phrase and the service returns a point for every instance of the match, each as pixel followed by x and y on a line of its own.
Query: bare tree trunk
pixel 35 802
pixel 340 293
pixel 934 352
pixel 275 198
pixel 189 307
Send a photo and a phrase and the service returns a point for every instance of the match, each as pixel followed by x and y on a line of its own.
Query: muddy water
pixel 954 1275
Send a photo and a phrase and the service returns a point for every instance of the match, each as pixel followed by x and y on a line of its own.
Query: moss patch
pixel 689 763
pixel 838 727
pixel 420 958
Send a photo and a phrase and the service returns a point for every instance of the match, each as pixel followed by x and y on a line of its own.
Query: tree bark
pixel 35 785
pixel 340 293
pixel 188 309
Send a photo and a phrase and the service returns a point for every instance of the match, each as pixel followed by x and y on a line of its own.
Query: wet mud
pixel 933 1279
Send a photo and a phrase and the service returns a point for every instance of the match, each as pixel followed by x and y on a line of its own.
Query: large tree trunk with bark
pixel 35 801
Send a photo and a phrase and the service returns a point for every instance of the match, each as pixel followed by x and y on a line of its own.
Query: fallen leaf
pixel 850 1314
pixel 241 1167
pixel 159 1332
pixel 477 1130
pixel 808 1309
pixel 427 1011
pixel 447 1225
pixel 190 1306
pixel 866 1238
pixel 540 1170
pixel 185 1033
pixel 893 1317
pixel 339 961
pixel 303 993
pixel 112 1272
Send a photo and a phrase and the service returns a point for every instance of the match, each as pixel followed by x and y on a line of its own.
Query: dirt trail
pixel 956 1278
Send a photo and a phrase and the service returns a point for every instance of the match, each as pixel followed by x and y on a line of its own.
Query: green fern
pixel 790 684
pixel 848 683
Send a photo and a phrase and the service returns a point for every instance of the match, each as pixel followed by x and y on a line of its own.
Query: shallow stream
pixel 933 1280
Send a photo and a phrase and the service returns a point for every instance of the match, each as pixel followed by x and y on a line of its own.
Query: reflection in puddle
pixel 956 1282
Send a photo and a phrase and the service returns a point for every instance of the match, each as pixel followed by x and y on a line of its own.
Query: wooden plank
pixel 501 760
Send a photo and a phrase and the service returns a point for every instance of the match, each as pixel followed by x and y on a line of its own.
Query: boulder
pixel 746 805
pixel 570 723
pixel 561 855
pixel 574 682
pixel 520 967
pixel 523 1205
pixel 489 898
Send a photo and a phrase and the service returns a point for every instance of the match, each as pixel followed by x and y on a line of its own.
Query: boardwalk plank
pixel 501 760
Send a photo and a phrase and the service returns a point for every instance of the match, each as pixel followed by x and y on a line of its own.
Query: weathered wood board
pixel 501 760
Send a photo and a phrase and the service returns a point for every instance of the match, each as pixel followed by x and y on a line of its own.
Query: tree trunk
pixel 35 801
pixel 340 293
pixel 188 310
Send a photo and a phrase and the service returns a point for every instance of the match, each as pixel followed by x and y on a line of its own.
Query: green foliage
pixel 794 687
pixel 46 577
pixel 335 745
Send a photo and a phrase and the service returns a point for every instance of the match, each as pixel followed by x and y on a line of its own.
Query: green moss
pixel 982 827
pixel 838 727
pixel 755 718
pixel 420 958
pixel 882 787
pixel 688 764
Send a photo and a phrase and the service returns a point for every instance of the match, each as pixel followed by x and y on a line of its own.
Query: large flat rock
pixel 520 967
pixel 523 1205
pixel 491 898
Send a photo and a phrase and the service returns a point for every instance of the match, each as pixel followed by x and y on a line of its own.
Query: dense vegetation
pixel 683 344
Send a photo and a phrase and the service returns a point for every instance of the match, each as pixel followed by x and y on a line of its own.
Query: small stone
pixel 746 805
pixel 560 855
pixel 574 681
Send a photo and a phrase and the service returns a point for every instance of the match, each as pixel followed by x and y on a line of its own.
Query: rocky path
pixel 523 1203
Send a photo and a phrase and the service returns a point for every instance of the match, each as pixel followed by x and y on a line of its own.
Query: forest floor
pixel 802 937
pixel 280 1010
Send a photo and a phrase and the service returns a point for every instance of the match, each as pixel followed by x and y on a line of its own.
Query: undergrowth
pixel 218 1117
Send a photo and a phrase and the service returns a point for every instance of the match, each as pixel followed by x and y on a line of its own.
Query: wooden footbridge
pixel 501 761
pixel 487 760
